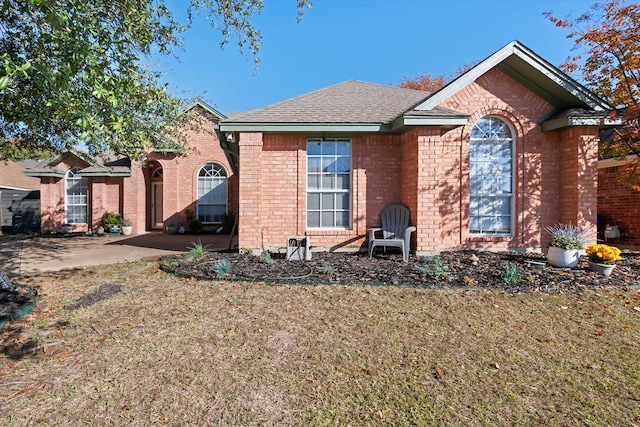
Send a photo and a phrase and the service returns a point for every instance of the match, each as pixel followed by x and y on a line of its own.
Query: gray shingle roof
pixel 12 176
pixel 352 101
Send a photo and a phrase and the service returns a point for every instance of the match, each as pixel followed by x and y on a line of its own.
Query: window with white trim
pixel 76 190
pixel 491 178
pixel 212 193
pixel 329 183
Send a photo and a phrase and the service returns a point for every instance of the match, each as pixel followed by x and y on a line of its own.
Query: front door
pixel 156 205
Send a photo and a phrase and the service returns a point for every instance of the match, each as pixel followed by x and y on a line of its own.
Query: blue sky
pixel 378 41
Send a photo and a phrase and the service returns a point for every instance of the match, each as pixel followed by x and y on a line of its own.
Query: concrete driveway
pixel 42 254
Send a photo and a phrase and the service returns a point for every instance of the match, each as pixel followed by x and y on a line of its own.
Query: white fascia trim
pixel 109 174
pixel 303 127
pixel 39 174
pixel 434 121
pixel 6 187
pixel 562 79
pixel 467 78
pixel 616 161
pixel 514 48
pixel 565 122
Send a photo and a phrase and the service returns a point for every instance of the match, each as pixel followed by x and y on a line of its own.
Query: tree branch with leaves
pixel 77 72
pixel 608 39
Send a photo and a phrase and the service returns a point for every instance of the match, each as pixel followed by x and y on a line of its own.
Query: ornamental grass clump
pixel 603 254
pixel 567 236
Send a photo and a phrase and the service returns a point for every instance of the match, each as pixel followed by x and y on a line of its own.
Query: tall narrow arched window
pixel 76 189
pixel 212 193
pixel 491 178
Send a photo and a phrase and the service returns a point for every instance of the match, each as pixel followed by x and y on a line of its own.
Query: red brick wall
pixel 273 190
pixel 250 192
pixel 579 178
pixel 618 205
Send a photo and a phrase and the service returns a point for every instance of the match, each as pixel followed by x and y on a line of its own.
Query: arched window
pixel 212 193
pixel 491 177
pixel 76 197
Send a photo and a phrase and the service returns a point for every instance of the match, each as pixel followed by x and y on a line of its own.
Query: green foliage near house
pixel 567 236
pixel 194 225
pixel 111 218
pixel 73 71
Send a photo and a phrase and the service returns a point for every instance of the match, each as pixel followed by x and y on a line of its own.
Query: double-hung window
pixel 76 197
pixel 491 178
pixel 329 183
pixel 212 193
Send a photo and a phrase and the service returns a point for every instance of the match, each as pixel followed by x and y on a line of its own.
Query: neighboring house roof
pixel 12 177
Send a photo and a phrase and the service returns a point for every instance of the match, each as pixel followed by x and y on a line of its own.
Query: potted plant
pixel 566 243
pixel 602 258
pixel 112 222
pixel 172 228
pixel 127 228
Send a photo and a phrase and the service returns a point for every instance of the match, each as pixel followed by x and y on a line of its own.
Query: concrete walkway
pixel 37 255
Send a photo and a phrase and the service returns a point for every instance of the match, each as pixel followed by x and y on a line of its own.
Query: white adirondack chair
pixel 395 230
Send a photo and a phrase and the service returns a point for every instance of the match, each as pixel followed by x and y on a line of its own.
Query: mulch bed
pixel 466 268
pixel 16 303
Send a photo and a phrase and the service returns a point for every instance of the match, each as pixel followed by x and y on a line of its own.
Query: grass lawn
pixel 167 350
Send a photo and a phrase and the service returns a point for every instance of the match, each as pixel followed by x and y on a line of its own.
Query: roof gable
pixel 532 71
pixel 199 103
pixel 103 164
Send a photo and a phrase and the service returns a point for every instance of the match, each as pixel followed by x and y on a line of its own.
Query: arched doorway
pixel 157 213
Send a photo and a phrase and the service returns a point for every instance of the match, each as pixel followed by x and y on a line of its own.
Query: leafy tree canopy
pixel 429 83
pixel 74 71
pixel 608 35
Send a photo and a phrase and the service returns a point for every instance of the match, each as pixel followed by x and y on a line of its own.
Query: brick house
pixel 618 204
pixel 488 161
pixel 78 188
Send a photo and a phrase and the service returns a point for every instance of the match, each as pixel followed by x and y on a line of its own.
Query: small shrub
pixel 111 218
pixel 196 251
pixel 567 236
pixel 221 268
pixel 168 265
pixel 328 270
pixel 246 251
pixel 435 269
pixel 265 258
pixel 512 274
pixel 469 281
pixel 194 226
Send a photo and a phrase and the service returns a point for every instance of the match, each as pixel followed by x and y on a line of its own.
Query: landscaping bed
pixel 511 271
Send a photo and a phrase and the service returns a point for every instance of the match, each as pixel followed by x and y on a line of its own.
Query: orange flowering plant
pixel 603 254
